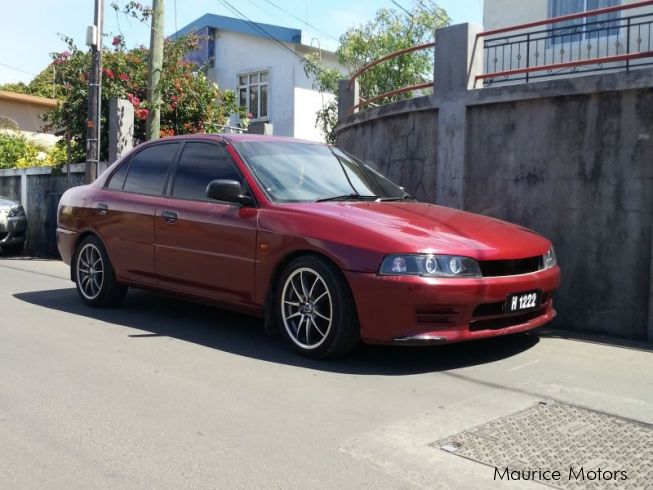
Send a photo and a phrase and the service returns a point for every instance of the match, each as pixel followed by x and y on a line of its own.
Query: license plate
pixel 526 301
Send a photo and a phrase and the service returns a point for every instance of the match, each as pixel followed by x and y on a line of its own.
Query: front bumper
pixel 13 231
pixel 416 310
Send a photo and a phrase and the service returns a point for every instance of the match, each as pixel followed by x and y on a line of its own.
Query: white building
pixel 263 64
pixel 618 33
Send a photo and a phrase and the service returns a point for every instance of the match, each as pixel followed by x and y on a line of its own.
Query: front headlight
pixel 17 211
pixel 550 259
pixel 429 265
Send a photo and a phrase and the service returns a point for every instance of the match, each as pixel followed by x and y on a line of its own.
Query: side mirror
pixel 228 191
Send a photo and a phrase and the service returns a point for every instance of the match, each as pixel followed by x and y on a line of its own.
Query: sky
pixel 31 29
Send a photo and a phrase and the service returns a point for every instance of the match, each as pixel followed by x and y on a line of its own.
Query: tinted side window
pixel 118 178
pixel 148 169
pixel 200 163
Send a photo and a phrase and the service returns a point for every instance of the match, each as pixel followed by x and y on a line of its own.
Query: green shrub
pixel 16 151
pixel 14 147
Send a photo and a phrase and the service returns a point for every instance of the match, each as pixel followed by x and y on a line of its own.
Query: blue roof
pixel 283 34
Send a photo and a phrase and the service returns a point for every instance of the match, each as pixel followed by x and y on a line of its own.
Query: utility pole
pixel 154 66
pixel 94 40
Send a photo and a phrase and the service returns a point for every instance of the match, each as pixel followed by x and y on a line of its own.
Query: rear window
pixel 117 180
pixel 148 170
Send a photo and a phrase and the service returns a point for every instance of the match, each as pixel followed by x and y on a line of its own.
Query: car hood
pixel 412 227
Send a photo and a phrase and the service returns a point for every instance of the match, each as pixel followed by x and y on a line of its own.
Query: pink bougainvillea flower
pixel 142 114
pixel 117 40
pixel 123 77
pixel 135 101
pixel 61 58
pixel 107 72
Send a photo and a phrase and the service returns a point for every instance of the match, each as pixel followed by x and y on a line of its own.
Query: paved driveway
pixel 161 393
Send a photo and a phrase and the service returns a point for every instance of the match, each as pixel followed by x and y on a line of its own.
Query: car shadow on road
pixel 158 315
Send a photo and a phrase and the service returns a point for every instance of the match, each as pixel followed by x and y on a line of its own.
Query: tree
pixel 190 103
pixel 390 30
pixel 41 85
pixel 19 87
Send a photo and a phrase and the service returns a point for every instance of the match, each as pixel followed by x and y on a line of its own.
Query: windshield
pixel 302 172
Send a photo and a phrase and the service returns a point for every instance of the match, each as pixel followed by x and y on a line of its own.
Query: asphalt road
pixel 160 393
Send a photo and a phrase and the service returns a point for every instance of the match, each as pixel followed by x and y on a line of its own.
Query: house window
pixel 253 89
pixel 583 28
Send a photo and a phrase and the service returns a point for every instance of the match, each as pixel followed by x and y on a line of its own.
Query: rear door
pixel 203 247
pixel 124 211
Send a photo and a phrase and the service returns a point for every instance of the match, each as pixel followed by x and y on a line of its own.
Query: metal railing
pixel 580 43
pixel 411 88
pixel 591 41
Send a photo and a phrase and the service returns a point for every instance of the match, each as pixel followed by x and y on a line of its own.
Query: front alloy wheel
pixel 307 312
pixel 316 310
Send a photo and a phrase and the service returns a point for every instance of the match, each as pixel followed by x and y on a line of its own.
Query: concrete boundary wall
pixel 38 190
pixel 571 158
pixel 23 175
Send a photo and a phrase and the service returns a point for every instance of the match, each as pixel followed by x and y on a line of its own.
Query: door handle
pixel 102 208
pixel 169 216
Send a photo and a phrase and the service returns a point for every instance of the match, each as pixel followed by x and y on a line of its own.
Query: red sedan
pixel 328 250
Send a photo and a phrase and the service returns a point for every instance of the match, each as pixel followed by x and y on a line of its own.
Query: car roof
pixel 235 138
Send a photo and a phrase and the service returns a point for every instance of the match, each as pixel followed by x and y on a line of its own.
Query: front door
pixel 203 247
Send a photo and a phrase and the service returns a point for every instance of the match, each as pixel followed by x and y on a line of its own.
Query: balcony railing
pixel 591 41
pixel 585 42
pixel 371 100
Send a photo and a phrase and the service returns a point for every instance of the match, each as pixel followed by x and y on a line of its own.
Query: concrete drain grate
pixel 589 449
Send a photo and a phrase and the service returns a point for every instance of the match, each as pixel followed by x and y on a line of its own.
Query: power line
pixel 18 69
pixel 402 8
pixel 256 5
pixel 275 15
pixel 260 29
pixel 425 7
pixel 316 29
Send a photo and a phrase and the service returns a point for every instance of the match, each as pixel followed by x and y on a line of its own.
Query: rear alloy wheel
pixel 94 276
pixel 316 311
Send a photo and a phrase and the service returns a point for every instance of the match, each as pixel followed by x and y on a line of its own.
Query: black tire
pixel 322 282
pixel 94 276
pixel 14 249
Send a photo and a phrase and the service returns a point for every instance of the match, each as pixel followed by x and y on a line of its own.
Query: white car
pixel 13 226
